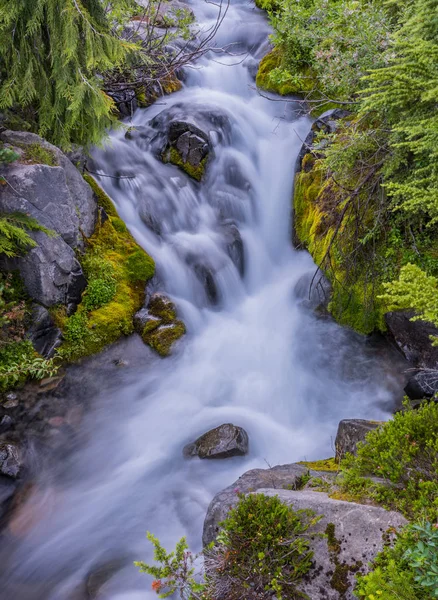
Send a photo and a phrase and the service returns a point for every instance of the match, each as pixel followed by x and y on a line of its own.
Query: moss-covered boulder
pixel 117 270
pixel 158 324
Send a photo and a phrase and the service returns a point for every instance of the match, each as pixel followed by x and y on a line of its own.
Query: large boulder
pixel 344 541
pixel 350 433
pixel 44 184
pixel 222 442
pixel 279 477
pixel 413 338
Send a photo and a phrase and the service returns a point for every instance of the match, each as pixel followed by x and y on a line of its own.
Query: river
pixel 258 357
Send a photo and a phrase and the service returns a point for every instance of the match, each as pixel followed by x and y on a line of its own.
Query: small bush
pixel 408 571
pixel 405 453
pixel 262 551
pixel 7 156
pixel 263 543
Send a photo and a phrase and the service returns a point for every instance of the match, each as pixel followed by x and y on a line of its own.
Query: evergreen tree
pixel 405 94
pixel 52 55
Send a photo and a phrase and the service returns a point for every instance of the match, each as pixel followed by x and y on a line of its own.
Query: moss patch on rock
pixel 317 211
pixel 328 464
pixel 103 199
pixel 173 156
pixel 117 270
pixel 161 338
pixel 36 153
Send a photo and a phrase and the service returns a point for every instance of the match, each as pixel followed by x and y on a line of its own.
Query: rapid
pixel 257 356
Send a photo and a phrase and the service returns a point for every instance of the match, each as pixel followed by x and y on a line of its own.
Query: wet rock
pixel 205 276
pixel 11 459
pixel 222 442
pixel 184 135
pixel 313 292
pixel 423 384
pixel 100 575
pixel 6 423
pixel 11 401
pixel 43 333
pixel 158 325
pixel 350 433
pixel 235 247
pixel 328 122
pixel 49 384
pixel 413 338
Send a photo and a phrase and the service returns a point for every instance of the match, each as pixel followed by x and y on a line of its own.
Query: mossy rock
pixel 327 464
pixel 317 207
pixel 103 199
pixel 111 255
pixel 162 337
pixel 173 156
pixel 302 82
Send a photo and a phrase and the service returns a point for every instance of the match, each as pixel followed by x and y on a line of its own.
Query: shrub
pixel 262 550
pixel 407 571
pixel 405 453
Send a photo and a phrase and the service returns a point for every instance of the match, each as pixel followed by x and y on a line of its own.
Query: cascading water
pixel 254 354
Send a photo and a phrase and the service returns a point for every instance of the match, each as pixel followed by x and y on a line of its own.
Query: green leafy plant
pixel 406 571
pixel 423 557
pixel 175 571
pixel 262 549
pixel 7 156
pixel 404 452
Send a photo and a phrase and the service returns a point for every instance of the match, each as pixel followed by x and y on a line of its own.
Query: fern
pixel 14 238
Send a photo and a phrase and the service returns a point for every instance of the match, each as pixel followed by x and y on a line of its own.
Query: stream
pixel 255 353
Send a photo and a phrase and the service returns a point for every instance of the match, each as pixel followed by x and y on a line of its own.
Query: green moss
pixel 317 209
pixel 328 464
pixel 162 338
pixel 40 155
pixel 117 270
pixel 103 199
pixel 162 308
pixel 140 266
pixel 174 157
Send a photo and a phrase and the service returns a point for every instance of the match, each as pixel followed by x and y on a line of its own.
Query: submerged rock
pixel 350 433
pixel 158 325
pixel 222 442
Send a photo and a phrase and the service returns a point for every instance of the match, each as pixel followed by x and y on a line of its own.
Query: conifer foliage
pixel 405 94
pixel 51 55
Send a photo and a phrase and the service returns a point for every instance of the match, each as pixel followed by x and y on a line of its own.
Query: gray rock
pixel 57 196
pixel 206 277
pixel 413 338
pixel 350 433
pixel 222 442
pixel 278 477
pixel 235 247
pixel 313 292
pixel 357 533
pixel 423 384
pixel 43 333
pixel 51 272
pixel 11 459
pixel 6 423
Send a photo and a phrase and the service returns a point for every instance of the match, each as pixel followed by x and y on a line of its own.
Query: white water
pixel 259 359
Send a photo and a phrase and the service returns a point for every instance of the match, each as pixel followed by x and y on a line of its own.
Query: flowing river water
pixel 257 357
